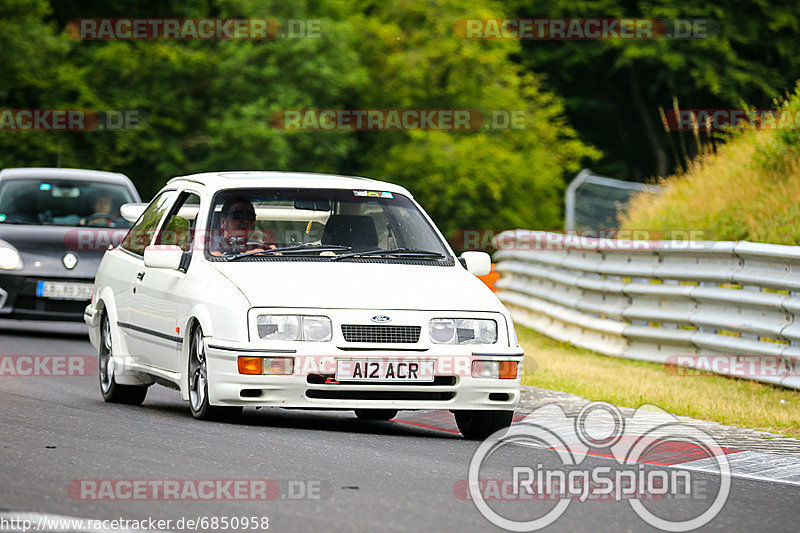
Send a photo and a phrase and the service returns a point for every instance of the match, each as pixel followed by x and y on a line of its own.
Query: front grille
pixel 46 305
pixel 381 334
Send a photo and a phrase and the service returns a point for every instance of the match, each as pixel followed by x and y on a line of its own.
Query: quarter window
pixel 179 229
pixel 141 234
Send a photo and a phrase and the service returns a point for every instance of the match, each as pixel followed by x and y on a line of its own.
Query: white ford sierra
pixel 300 291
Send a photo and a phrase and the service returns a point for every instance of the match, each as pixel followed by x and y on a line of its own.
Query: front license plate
pixel 64 290
pixel 383 370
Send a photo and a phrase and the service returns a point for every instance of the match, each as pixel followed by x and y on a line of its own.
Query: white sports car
pixel 301 291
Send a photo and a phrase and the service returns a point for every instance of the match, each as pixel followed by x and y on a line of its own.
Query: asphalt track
pixel 361 475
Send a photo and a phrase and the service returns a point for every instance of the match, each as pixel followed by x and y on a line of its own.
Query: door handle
pixel 140 276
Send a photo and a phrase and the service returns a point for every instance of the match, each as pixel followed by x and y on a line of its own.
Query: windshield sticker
pixel 44 187
pixel 374 194
pixel 2 218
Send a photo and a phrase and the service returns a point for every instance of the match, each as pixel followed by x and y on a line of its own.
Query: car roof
pixel 73 174
pixel 63 173
pixel 275 179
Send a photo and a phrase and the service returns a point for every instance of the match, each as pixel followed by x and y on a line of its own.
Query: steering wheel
pixel 100 216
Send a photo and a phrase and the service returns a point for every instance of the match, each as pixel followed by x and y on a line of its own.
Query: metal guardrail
pixel 658 300
pixel 593 201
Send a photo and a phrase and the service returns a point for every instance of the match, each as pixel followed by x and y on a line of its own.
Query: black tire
pixel 477 425
pixel 198 384
pixel 376 414
pixel 112 391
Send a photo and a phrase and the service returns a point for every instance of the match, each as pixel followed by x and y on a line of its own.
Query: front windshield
pixel 320 222
pixel 62 203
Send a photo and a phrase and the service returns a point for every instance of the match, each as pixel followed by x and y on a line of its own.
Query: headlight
pixel 294 328
pixel 462 331
pixel 9 257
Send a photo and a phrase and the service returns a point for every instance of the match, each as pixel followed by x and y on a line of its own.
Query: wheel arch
pixel 106 305
pixel 199 317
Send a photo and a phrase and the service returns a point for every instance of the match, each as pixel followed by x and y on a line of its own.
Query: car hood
pixel 340 285
pixel 43 247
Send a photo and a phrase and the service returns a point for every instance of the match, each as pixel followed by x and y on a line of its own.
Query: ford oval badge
pixel 381 318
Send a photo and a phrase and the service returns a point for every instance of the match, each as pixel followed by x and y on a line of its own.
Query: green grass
pixel 748 190
pixel 629 383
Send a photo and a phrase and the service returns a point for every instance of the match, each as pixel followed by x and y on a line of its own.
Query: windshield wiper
pixel 404 252
pixel 300 248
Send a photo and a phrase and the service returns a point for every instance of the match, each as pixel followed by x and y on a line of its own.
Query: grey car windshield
pixel 320 222
pixel 63 203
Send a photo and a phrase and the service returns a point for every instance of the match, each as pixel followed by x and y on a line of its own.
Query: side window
pixel 141 234
pixel 179 229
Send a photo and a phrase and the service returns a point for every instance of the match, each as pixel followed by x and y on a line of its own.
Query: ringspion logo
pixel 600 427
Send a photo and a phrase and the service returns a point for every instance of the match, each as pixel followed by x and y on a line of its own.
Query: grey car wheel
pixel 198 383
pixel 112 391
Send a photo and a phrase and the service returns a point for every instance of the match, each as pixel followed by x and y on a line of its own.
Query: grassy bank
pixel 748 190
pixel 743 403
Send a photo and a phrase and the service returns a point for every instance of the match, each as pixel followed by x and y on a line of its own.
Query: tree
pixel 613 88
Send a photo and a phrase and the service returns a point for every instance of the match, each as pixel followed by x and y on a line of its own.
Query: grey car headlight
pixel 462 331
pixel 9 257
pixel 294 328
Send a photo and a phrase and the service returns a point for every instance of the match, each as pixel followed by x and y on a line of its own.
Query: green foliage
pixel 748 190
pixel 782 148
pixel 750 56
pixel 210 104
pixel 490 179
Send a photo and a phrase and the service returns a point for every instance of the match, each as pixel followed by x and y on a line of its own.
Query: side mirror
pixel 163 256
pixel 478 263
pixel 132 212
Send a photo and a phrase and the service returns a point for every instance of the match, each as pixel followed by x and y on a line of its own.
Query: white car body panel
pixel 152 317
pixel 361 286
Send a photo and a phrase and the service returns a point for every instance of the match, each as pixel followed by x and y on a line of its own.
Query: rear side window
pixel 141 234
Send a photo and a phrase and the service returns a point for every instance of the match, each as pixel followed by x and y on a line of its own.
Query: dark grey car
pixel 55 226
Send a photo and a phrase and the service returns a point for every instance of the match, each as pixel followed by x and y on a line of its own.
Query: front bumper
pixel 312 386
pixel 18 299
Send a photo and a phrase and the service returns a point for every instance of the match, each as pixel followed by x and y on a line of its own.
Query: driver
pixel 102 207
pixel 237 222
pixel 237 227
